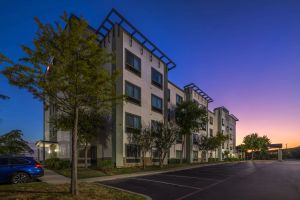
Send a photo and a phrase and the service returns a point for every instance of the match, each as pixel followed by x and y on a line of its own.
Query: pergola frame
pixel 114 17
pixel 199 91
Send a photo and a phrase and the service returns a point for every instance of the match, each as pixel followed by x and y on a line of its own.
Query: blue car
pixel 17 169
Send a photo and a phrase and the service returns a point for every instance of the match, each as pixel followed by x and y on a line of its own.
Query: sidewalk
pixel 54 178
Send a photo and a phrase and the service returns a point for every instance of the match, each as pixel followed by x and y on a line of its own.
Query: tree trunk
pixel 86 155
pixel 252 155
pixel 182 146
pixel 74 183
pixel 144 166
pixel 160 160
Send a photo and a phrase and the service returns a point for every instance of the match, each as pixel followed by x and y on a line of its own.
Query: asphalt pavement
pixel 257 180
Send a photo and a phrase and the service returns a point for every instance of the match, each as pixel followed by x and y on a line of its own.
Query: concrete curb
pixel 128 191
pixel 121 176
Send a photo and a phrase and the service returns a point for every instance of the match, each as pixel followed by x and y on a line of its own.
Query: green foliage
pixel 176 161
pixel 57 164
pixel 66 67
pixel 144 139
pixel 13 143
pixel 254 143
pixel 165 136
pixel 213 159
pixel 190 117
pixel 105 164
pixel 231 159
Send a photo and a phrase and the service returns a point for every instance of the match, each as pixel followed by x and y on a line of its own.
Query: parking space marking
pixel 202 189
pixel 167 183
pixel 197 178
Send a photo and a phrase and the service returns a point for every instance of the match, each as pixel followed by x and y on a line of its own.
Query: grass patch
pixel 42 191
pixel 98 172
pixel 82 172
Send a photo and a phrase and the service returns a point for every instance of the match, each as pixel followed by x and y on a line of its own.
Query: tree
pixel 242 149
pixel 206 143
pixel 190 118
pixel 145 140
pixel 263 145
pixel 251 143
pixel 13 143
pixel 165 136
pixel 254 143
pixel 76 77
pixel 90 126
pixel 220 139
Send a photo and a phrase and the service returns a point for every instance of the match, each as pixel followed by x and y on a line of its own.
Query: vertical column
pixel 117 110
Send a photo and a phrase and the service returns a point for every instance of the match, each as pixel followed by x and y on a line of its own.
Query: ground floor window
pixel 195 155
pixel 155 155
pixel 133 153
pixel 178 154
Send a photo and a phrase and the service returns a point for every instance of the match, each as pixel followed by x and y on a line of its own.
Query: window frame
pixel 153 108
pixel 133 159
pixel 130 129
pixel 155 83
pixel 129 66
pixel 178 97
pixel 132 99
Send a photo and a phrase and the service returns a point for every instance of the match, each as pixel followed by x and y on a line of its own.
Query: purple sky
pixel 244 54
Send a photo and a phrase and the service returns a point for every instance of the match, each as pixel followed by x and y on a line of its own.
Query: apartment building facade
pixel 151 96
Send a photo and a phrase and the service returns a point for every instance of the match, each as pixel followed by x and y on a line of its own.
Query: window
pixel 211 120
pixel 210 132
pixel 196 138
pixel 133 122
pixel 133 93
pixel 179 99
pixel 157 78
pixel 178 154
pixel 178 138
pixel 155 125
pixel 222 122
pixel 156 103
pixel 169 95
pixel 19 161
pixel 133 63
pixel 195 155
pixel 3 161
pixel 155 155
pixel 132 153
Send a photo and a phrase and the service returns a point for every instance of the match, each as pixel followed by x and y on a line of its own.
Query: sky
pixel 244 54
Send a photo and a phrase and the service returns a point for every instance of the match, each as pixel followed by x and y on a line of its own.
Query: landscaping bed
pixel 41 191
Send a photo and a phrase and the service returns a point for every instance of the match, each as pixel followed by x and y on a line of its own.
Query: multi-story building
pixel 151 96
pixel 226 124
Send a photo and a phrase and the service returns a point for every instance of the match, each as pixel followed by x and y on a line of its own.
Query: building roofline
pixel 234 117
pixel 176 86
pixel 199 91
pixel 114 17
pixel 222 107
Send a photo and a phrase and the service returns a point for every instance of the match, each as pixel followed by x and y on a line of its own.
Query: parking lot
pixel 244 180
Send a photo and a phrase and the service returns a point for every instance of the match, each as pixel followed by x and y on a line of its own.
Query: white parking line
pixel 202 189
pixel 197 178
pixel 167 183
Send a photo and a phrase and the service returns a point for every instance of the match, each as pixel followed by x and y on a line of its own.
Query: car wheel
pixel 20 177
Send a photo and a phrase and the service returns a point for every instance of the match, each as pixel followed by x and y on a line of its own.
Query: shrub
pixel 175 161
pixel 105 164
pixel 231 159
pixel 213 159
pixel 56 163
